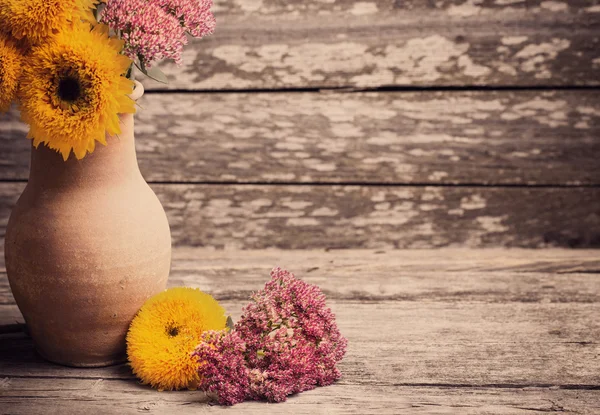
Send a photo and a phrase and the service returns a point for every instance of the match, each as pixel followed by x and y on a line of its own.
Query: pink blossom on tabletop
pixel 291 343
pixel 292 336
pixel 223 369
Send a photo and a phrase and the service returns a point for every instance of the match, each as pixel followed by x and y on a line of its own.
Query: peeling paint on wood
pixel 283 8
pixel 240 217
pixel 350 43
pixel 504 137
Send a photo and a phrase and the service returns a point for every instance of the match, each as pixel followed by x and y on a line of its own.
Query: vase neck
pixel 117 160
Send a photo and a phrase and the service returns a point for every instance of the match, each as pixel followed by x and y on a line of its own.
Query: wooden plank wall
pixel 373 124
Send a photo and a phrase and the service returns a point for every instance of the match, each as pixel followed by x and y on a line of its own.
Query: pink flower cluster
pixel 154 30
pixel 286 342
pixel 195 15
pixel 223 367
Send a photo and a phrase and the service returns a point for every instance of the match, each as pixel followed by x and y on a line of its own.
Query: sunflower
pixel 73 89
pixel 164 334
pixel 10 71
pixel 36 20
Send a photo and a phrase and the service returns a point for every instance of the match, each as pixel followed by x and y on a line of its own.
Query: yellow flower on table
pixel 166 331
pixel 10 71
pixel 73 89
pixel 35 20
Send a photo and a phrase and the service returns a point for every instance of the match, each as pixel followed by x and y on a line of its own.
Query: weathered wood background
pixel 380 124
pixel 373 124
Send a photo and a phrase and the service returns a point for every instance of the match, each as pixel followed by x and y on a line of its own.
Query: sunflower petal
pixel 37 21
pixel 10 70
pixel 93 68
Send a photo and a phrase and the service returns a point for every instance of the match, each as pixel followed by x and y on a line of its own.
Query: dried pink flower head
pixel 291 344
pixel 291 336
pixel 150 33
pixel 195 15
pixel 223 367
pixel 154 30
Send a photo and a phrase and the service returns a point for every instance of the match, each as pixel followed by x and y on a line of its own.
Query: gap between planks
pixel 382 89
pixel 355 183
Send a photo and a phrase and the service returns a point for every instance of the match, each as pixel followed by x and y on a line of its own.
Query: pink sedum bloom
pixel 291 344
pixel 150 34
pixel 223 368
pixel 195 15
pixel 154 30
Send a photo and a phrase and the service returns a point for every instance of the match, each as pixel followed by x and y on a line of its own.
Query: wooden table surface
pixel 430 331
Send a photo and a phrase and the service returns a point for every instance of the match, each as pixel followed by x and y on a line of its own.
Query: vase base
pixel 82 365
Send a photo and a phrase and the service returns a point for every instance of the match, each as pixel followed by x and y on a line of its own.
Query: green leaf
pixel 230 324
pixel 153 73
pixel 98 11
pixel 157 75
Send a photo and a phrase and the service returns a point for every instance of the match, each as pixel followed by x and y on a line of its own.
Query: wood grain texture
pixel 300 217
pixel 506 137
pixel 437 264
pixel 426 343
pixel 264 44
pixel 490 331
pixel 25 397
pixel 448 274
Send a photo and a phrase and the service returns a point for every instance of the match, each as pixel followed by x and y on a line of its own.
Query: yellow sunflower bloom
pixel 166 331
pixel 73 89
pixel 10 71
pixel 35 20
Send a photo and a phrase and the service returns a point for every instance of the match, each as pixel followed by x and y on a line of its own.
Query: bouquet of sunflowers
pixel 69 64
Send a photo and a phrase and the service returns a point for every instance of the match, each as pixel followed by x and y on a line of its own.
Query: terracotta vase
pixel 87 243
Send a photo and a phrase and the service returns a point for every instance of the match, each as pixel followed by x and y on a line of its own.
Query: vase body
pixel 86 245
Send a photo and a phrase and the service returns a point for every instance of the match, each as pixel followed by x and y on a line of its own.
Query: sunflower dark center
pixel 69 89
pixel 173 331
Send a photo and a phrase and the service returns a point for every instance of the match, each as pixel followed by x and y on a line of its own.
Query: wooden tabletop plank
pixel 482 275
pixel 456 137
pixel 465 344
pixel 306 217
pixel 489 276
pixel 437 264
pixel 372 286
pixel 273 44
pixel 44 396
